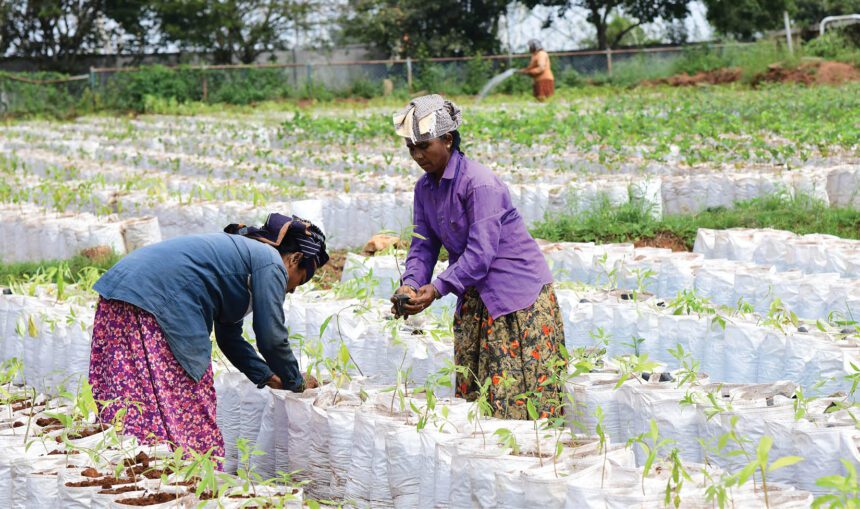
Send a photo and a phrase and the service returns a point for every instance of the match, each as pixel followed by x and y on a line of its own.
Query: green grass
pixel 18 272
pixel 632 221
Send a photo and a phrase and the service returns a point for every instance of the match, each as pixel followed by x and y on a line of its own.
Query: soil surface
pixel 808 73
pixel 151 499
pixel 146 471
pixel 48 421
pixel 106 483
pixel 715 77
pixel 117 491
pixel 97 254
pixel 84 433
pixel 56 452
pixel 331 272
pixel 141 459
pixel 21 406
pixel 666 240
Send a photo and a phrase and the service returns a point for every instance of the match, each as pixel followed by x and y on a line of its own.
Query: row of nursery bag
pixel 663 273
pixel 699 415
pixel 810 254
pixel 29 233
pixel 731 348
pixel 51 339
pixel 360 336
pixel 75 463
pixel 392 449
pixel 675 194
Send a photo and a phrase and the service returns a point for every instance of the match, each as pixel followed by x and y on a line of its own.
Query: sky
pixel 572 32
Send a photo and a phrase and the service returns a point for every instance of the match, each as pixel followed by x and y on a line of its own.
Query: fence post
pixel 93 84
pixel 609 61
pixel 787 31
pixel 205 85
pixel 409 73
pixel 309 70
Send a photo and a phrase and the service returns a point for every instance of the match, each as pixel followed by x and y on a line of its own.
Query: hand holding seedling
pixel 417 302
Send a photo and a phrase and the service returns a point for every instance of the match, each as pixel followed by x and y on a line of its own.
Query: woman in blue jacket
pixel 151 350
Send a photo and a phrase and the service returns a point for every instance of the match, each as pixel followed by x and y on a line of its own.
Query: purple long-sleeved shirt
pixel 470 213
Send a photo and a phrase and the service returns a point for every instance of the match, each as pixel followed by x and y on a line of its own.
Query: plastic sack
pixel 140 232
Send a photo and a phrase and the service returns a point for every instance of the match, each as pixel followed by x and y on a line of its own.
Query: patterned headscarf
pixel 426 118
pixel 289 234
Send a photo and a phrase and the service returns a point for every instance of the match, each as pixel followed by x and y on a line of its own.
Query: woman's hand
pixel 311 382
pixel 426 295
pixel 403 290
pixel 275 383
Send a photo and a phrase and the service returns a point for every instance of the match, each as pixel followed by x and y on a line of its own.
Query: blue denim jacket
pixel 190 283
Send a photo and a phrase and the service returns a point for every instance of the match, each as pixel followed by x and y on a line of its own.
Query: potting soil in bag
pixel 264 464
pixel 659 401
pixel 254 402
pixel 174 498
pixel 715 280
pixel 318 467
pixel 547 486
pixel 42 487
pixel 229 416
pixel 584 394
pixel 403 453
pixel 22 466
pixel 140 232
pixel 586 489
pixel 713 358
pixel 280 431
pixel 473 480
pixel 822 448
pixel 299 408
pixel 340 433
pixel 76 497
pixel 105 500
pixel 743 340
pixel 380 487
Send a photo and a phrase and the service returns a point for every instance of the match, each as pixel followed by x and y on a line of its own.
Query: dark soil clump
pixel 105 482
pixel 151 499
pixel 48 421
pixel 117 491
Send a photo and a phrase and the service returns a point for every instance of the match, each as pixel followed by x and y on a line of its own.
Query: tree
pixel 811 12
pixel 743 19
pixel 56 32
pixel 746 18
pixel 138 30
pixel 602 12
pixel 418 27
pixel 231 29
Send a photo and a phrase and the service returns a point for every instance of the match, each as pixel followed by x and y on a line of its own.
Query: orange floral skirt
pixel 516 354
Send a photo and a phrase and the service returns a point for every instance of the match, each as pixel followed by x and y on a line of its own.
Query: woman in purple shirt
pixel 508 328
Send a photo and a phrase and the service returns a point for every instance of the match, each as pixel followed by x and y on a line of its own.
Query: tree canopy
pixel 744 19
pixel 419 28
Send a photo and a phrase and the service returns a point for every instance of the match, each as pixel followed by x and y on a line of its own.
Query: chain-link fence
pixel 131 88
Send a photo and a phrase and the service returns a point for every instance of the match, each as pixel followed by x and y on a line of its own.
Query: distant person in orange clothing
pixel 539 70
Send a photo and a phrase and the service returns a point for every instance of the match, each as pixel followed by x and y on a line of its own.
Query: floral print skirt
pixel 132 367
pixel 516 355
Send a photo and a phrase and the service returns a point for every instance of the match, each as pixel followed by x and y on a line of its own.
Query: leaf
pixel 746 473
pixel 764 446
pixel 324 325
pixel 533 413
pixel 785 461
